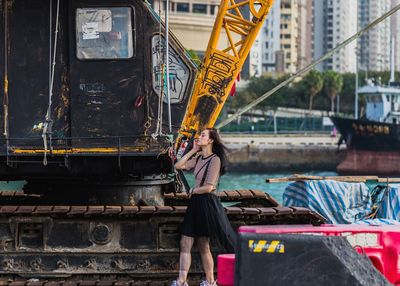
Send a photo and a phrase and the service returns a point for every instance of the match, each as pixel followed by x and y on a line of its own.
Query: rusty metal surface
pixel 130 211
pixel 64 241
pixel 246 198
pixel 102 108
pixel 91 98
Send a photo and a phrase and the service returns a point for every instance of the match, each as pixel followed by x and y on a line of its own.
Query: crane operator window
pixel 104 33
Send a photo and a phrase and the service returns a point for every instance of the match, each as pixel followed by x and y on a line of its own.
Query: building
pixel 192 22
pixel 290 33
pixel 255 59
pixel 305 39
pixel 334 22
pixel 374 46
pixel 269 37
pixel 395 28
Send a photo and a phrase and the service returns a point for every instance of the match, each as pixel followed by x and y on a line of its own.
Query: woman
pixel 205 216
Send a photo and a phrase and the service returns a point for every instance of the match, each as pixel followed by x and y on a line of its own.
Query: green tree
pixel 333 84
pixel 195 57
pixel 313 84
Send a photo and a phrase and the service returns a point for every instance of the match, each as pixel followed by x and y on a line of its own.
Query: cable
pixel 308 68
pixel 48 121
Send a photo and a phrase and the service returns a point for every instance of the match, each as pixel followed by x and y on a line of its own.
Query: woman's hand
pixel 196 147
pixel 180 165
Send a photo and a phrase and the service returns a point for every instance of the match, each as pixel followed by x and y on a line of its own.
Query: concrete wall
pixel 254 159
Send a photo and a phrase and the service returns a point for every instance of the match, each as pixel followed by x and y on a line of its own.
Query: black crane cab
pixel 81 89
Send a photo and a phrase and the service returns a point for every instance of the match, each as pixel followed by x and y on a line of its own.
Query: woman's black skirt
pixel 206 217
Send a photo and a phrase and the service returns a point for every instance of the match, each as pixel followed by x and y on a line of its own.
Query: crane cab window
pixel 104 33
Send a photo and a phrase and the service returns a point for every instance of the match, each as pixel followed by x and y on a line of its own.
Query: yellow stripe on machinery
pixel 258 246
pixel 221 66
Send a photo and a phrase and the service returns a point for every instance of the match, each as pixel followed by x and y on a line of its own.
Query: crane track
pixel 260 214
pixel 244 197
pixel 92 282
pixel 139 245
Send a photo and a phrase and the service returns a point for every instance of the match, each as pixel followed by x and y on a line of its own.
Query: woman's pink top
pixel 199 165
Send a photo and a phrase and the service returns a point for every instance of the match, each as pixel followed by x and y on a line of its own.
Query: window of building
pixel 104 33
pixel 199 8
pixel 182 7
pixel 213 9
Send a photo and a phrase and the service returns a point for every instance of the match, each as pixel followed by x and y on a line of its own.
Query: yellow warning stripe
pixel 259 246
pixel 272 246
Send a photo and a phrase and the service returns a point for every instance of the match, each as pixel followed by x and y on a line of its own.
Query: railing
pixel 280 125
pixel 85 145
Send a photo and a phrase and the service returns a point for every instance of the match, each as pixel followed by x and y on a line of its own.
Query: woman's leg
pixel 203 244
pixel 185 258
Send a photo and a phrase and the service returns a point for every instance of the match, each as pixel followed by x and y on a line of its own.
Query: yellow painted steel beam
pixel 221 66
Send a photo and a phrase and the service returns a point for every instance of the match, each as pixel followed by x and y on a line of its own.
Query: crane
pixel 221 66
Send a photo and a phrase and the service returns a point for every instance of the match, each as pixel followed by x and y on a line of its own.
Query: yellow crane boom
pixel 221 66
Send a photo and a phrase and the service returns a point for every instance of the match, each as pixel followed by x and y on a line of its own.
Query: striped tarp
pixel 338 202
pixel 343 203
pixel 389 203
pixel 378 221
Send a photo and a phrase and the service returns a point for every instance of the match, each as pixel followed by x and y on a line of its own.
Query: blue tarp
pixel 389 203
pixel 344 203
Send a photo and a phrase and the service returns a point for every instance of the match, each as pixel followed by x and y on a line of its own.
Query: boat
pixel 373 141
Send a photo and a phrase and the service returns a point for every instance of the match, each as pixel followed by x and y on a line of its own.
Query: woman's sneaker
pixel 206 283
pixel 176 283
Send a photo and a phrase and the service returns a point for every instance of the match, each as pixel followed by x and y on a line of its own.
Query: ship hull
pixel 373 147
pixel 360 162
pixel 369 135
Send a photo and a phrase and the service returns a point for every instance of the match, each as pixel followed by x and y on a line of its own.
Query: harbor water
pixel 256 181
pixel 230 181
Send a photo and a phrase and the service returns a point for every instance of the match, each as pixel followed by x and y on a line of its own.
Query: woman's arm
pixel 203 189
pixel 181 164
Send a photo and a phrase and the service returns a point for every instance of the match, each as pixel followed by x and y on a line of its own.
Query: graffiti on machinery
pixel 218 74
pixel 178 71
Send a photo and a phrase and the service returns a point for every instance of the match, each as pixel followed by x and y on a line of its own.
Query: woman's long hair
pixel 219 149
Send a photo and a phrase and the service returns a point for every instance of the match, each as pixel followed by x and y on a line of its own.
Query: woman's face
pixel 204 138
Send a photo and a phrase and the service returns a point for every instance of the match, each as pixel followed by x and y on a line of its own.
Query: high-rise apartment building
pixel 290 33
pixel 269 37
pixel 374 46
pixel 253 64
pixel 334 22
pixel 305 39
pixel 287 36
pixel 395 28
